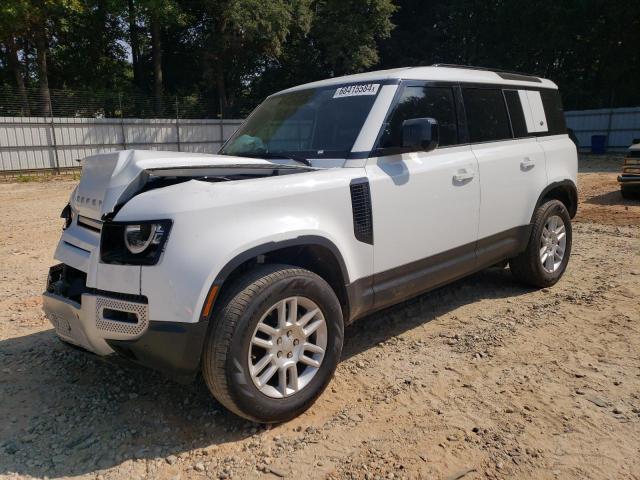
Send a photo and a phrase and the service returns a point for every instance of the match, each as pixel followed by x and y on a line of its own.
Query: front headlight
pixel 133 243
pixel 137 238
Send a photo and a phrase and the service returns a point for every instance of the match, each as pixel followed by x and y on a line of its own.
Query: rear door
pixel 511 165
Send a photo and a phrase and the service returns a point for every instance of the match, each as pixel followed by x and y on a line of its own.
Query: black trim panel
pixel 169 347
pixel 392 286
pixel 75 246
pixel 569 187
pixel 508 244
pixel 305 240
pixel 361 210
pixel 518 76
pixel 406 281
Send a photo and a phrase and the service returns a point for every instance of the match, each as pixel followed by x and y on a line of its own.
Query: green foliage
pixel 588 47
pixel 347 32
pixel 227 55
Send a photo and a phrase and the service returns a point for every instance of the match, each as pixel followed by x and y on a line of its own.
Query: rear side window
pixel 516 114
pixel 486 114
pixel 553 111
pixel 423 102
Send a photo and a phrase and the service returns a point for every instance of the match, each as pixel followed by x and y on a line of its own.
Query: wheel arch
pixel 315 253
pixel 564 191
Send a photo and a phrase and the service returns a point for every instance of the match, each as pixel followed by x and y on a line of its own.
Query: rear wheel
pixel 274 344
pixel 547 254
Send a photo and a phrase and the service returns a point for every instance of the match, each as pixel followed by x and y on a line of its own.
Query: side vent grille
pixel 361 206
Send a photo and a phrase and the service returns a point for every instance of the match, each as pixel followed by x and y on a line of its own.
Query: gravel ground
pixel 481 379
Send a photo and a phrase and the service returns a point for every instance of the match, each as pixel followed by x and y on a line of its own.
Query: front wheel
pixel 547 254
pixel 274 344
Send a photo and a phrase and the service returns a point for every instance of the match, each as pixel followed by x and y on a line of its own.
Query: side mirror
pixel 420 134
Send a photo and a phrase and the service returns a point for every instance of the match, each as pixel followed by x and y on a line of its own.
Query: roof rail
pixel 505 74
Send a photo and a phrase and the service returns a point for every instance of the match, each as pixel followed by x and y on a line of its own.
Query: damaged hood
pixel 110 179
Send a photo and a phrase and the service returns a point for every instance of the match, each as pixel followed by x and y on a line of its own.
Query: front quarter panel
pixel 213 223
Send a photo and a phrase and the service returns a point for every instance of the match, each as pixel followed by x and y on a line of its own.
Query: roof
pixel 451 73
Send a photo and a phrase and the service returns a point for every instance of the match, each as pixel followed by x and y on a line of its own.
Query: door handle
pixel 527 163
pixel 463 175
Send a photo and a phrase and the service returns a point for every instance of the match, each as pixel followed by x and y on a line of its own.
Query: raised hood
pixel 110 179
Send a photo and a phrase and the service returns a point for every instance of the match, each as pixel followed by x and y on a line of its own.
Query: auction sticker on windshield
pixel 354 90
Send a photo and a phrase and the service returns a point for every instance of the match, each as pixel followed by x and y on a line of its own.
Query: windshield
pixel 314 123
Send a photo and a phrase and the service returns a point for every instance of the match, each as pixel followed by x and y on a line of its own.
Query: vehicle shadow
pixel 66 413
pixel 612 198
pixel 371 330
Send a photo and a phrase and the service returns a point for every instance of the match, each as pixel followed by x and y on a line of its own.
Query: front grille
pixel 90 224
pixel 361 206
pixel 71 283
pixel 67 282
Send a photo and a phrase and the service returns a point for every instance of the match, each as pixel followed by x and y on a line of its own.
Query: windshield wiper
pixel 286 156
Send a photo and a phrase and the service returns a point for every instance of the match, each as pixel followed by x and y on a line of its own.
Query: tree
pixel 158 13
pixel 43 18
pixel 346 32
pixel 237 35
pixel 87 52
pixel 134 41
pixel 327 38
pixel 12 15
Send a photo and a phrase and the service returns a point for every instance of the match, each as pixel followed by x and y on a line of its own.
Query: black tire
pixel 630 193
pixel 225 358
pixel 527 267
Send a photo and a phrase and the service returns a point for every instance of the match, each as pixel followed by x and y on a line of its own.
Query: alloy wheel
pixel 287 347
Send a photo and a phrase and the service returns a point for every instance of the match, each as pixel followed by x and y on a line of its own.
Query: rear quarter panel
pixel 562 158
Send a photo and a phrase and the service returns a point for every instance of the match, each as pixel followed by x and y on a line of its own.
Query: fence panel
pixel 34 143
pixel 621 126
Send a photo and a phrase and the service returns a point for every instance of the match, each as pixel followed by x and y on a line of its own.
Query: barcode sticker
pixel 355 90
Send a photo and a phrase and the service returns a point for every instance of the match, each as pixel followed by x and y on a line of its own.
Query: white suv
pixel 332 200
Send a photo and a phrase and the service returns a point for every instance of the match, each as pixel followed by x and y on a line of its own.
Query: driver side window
pixel 422 102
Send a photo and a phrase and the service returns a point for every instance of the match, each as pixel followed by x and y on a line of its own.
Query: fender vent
pixel 361 206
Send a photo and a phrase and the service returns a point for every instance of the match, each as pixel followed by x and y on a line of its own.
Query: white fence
pixel 34 143
pixel 620 125
pixel 37 143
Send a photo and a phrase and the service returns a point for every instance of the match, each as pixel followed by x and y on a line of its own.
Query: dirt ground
pixel 481 379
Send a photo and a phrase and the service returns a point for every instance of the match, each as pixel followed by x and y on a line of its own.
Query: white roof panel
pixel 449 74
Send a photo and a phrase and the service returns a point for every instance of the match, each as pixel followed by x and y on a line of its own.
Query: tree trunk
pixel 156 44
pixel 16 68
pixel 43 75
pixel 222 90
pixel 135 44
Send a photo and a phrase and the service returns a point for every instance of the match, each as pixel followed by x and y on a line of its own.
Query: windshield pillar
pixel 366 139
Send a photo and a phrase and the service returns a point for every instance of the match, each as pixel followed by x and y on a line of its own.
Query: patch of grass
pixel 29 178
pixel 41 177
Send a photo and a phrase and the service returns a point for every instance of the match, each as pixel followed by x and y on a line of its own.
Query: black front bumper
pixel 172 348
pixel 629 179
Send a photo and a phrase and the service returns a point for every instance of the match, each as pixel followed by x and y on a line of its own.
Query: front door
pixel 425 204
